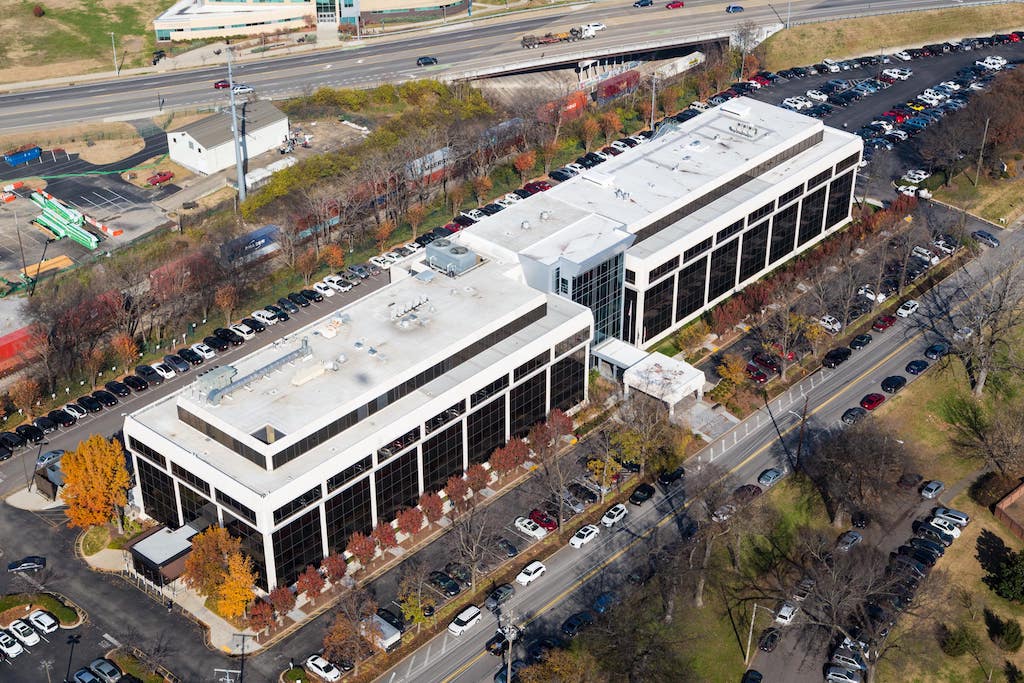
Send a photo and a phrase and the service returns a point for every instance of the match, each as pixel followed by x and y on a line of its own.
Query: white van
pixel 384 635
pixel 961 519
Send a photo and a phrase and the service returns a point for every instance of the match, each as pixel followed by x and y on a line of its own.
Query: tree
pixel 457 489
pixel 226 300
pixel 733 368
pixel 283 599
pixel 96 482
pixel 125 350
pixel 524 164
pixel 345 639
pixel 481 187
pixel 959 641
pixel 383 233
pixel 415 598
pixel 472 535
pixel 457 195
pixel 548 153
pixel 24 394
pixel 545 442
pixel 410 521
pixel 335 566
pixel 991 430
pixel 569 666
pixel 645 432
pixel 362 547
pixel 334 256
pixel 611 125
pixel 507 458
pixel 384 535
pixel 1007 578
pixel 432 506
pixel 93 363
pixel 687 338
pixel 207 564
pixel 780 334
pixel 306 264
pixel 589 130
pixel 261 616
pixel 311 582
pixel 414 216
pixel 234 594
pixel 478 477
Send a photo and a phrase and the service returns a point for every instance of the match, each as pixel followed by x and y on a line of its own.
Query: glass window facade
pixel 136 446
pixel 158 494
pixel 761 212
pixel 486 392
pixel 629 315
pixel 755 249
pixel 783 233
pixel 572 342
pixel 812 213
pixel 568 380
pixel 296 545
pixel 442 457
pixel 252 545
pixel 666 267
pixel 531 365
pixel 600 290
pixel 820 178
pixel 791 195
pixel 485 430
pixel 847 162
pixel 658 308
pixel 528 404
pixel 443 418
pixel 348 512
pixel 349 473
pixel 398 485
pixel 195 482
pixel 726 233
pixel 697 249
pixel 839 193
pixel 291 507
pixel 236 507
pixel 194 506
pixel 723 269
pixel 692 283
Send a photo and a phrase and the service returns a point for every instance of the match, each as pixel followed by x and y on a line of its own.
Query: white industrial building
pixel 342 423
pixel 207 145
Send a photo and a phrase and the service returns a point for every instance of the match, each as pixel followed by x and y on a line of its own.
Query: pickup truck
pixel 159 178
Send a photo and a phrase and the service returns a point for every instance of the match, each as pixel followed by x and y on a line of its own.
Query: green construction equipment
pixel 62 220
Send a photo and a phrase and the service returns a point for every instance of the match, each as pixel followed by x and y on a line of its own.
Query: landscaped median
pixel 18 605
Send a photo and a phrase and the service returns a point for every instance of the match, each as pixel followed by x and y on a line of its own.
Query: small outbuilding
pixel 206 146
pixel 666 379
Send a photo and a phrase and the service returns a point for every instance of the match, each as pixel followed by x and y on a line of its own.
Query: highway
pixel 575 577
pixel 460 48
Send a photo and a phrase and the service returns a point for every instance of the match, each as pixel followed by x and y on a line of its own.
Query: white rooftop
pixel 664 378
pixel 165 544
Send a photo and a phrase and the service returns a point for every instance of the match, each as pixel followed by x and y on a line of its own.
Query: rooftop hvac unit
pixel 448 257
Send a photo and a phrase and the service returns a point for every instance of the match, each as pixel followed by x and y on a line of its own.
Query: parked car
pixel 986 238
pixel 769 477
pixel 530 573
pixel 848 540
pixel 577 622
pixel 32 434
pixel 177 363
pixel 32 563
pixel 872 401
pixel 936 351
pixel 585 535
pixel 614 515
pixel 893 383
pixel 835 357
pixel 883 322
pixel 499 596
pixel 507 547
pixel 216 343
pixel 769 639
pixel 321 668
pixel 148 374
pixel 90 404
pixel 785 613
pixel 444 583
pixel 391 618
pixel 230 336
pixel 106 670
pixel 641 494
pixel 860 341
pixel 102 395
pixel 932 489
pixel 544 520
pixel 63 418
pixel 667 478
pixel 908 308
pixel 853 415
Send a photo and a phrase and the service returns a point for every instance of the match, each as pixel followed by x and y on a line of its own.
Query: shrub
pixel 959 641
pixel 989 488
pixel 1010 638
pixel 38 11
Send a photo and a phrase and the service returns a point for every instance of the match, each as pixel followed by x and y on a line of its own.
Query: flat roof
pixel 681 163
pixel 165 544
pixel 215 129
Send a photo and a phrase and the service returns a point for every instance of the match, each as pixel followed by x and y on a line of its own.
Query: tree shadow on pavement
pixel 992 551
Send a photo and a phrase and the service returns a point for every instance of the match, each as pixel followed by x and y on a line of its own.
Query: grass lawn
pixel 95 540
pixel 992 199
pixel 64 614
pixel 131 665
pixel 885 33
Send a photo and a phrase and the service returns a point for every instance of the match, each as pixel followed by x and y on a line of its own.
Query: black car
pixel 582 493
pixel 641 494
pixel 459 572
pixel 936 351
pixel 151 376
pixel 836 357
pixel 588 161
pixel 560 175
pixel 577 622
pixel 229 336
pixel 215 343
pixel 628 142
pixel 441 233
pixel 190 356
pixel 463 220
pixel 424 240
pixel 32 563
pixel 769 639
pixel 391 618
pixel 507 547
pixel 933 547
pixel 63 418
pixel 916 367
pixel 11 441
pixel 594 158
pixel 5 454
pixel 426 61
pixel 752 676
pixel 499 596
pixel 860 341
pixel 491 209
pixel 536 650
pixel 928 559
pixel 666 478
pixel 626 465
pixel 177 363
pixel 90 404
pixel 288 305
pixel 297 299
pixel 686 115
pixel 277 312
pixel 312 295
pixel 105 397
pixel 444 583
pixel 523 193
pixel 30 433
pixel 118 388
pixel 45 424
pixel 498 645
pixel 860 519
pixel 893 383
pixel 853 415
pixel 924 530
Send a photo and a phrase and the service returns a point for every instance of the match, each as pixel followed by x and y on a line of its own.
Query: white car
pixel 621 146
pixel 75 410
pixel 203 350
pixel 576 168
pixel 9 646
pixel 615 514
pixel 585 535
pixel 797 103
pixel 43 621
pixel 950 85
pixel 916 175
pixel 900 135
pixel 785 613
pixel 243 89
pixel 411 246
pixel 380 262
pixel 338 284
pixel 595 26
pixel 321 668
pixel 511 197
pixel 884 125
pixel 945 526
pixel 243 331
pixel 898 74
pixel 926 255
pixel 530 573
pixel 164 370
pixel 323 288
pixel 264 316
pixel 840 674
pixel 830 324
pixel 817 95
pixel 23 632
pixel 530 527
pixel 467 618
pixel 908 308
pixel 868 291
pixel 904 55
pixel 909 190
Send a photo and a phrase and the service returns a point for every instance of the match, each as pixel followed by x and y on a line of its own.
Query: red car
pixel 159 178
pixel 537 186
pixel 452 227
pixel 675 4
pixel 898 117
pixel 756 374
pixel 883 323
pixel 221 85
pixel 789 356
pixel 872 401
pixel 543 520
pixel 761 80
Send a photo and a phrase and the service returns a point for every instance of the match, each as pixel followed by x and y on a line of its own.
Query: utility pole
pixel 113 51
pixel 235 133
pixel 984 137
pixel 654 90
pixel 750 635
pixel 241 663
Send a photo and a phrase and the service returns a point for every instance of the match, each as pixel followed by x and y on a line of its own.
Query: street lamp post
pixel 73 640
pixel 750 635
pixel 113 51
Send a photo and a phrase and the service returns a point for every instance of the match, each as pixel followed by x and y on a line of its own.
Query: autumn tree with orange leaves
pixel 235 592
pixel 96 482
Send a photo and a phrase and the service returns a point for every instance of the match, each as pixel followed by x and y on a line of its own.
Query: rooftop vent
pixel 525 225
pixel 735 108
pixel 744 129
pixel 449 257
pixel 545 215
pixel 600 178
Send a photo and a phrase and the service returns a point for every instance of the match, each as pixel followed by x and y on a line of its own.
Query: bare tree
pixel 780 334
pixel 992 431
pixel 645 435
pixel 471 535
pixel 352 630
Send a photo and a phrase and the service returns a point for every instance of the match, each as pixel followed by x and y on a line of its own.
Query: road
pixel 574 577
pixel 460 48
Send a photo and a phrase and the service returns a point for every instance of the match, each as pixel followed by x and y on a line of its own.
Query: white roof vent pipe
pixel 525 225
pixel 545 215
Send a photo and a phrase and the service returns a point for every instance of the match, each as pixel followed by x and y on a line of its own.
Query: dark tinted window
pixel 531 365
pixel 690 296
pixel 568 377
pixel 528 404
pixel 486 430
pixel 397 485
pixel 658 307
pixel 442 457
pixel 349 473
pixel 728 232
pixel 666 267
pixel 811 215
pixel 783 233
pixel 755 248
pixel 186 476
pixel 723 269
pixel 305 500
pixel 348 512
pixel 297 545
